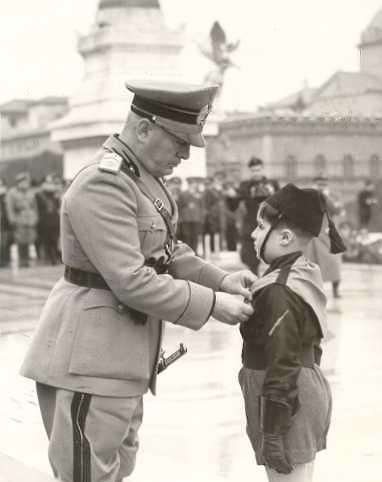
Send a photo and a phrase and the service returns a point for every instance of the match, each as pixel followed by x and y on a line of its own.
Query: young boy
pixel 287 398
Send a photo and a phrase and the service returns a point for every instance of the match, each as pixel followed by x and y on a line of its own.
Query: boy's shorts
pixel 310 426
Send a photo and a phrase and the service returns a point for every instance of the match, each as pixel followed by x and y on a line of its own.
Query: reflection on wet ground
pixel 194 429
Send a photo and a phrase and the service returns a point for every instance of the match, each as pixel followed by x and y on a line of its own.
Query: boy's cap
pixel 305 208
pixel 180 108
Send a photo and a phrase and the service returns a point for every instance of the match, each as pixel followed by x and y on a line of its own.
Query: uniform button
pixel 120 308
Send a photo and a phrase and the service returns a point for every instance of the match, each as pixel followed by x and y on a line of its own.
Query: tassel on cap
pixel 336 242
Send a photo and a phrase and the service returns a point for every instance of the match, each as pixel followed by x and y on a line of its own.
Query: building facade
pixel 335 130
pixel 26 141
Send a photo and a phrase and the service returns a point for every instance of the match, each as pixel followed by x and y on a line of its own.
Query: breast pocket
pixel 152 233
pixel 107 342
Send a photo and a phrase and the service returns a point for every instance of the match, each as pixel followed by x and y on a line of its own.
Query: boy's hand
pixel 239 283
pixel 230 309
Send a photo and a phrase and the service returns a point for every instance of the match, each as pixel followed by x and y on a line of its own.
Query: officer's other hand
pixel 239 283
pixel 231 309
pixel 275 455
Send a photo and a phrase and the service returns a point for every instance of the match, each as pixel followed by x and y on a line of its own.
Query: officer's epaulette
pixel 110 162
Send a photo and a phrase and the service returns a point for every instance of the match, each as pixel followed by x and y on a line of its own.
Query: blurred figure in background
pixel 23 215
pixel 174 185
pixel 5 229
pixel 191 213
pixel 318 249
pixel 252 192
pixel 232 201
pixel 366 200
pixel 214 222
pixel 48 227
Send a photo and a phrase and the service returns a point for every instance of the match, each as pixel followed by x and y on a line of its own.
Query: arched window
pixel 291 168
pixel 374 166
pixel 348 166
pixel 320 164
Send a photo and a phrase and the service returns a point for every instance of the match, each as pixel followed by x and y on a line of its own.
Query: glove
pixel 275 420
pixel 275 455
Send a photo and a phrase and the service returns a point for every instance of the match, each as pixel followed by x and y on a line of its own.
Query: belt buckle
pixel 158 203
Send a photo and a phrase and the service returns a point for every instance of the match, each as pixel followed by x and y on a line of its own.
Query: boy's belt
pixel 254 358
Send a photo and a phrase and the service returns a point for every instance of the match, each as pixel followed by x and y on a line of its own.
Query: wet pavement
pixel 194 429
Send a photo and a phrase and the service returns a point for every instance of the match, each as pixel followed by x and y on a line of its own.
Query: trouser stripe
pixel 81 446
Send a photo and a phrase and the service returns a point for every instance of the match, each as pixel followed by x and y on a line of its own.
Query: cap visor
pixel 196 140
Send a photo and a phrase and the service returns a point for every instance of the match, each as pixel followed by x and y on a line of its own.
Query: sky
pixel 284 45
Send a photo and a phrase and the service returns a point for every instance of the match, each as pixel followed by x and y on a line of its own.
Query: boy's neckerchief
pixel 305 280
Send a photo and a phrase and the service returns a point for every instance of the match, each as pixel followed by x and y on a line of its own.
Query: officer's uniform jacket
pixel 89 339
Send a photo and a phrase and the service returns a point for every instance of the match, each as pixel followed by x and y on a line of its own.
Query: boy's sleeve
pixel 283 343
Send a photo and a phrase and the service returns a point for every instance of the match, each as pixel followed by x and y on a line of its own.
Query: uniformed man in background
pixel 252 192
pixel 96 349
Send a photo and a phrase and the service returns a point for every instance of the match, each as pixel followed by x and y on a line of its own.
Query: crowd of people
pixel 30 219
pixel 215 214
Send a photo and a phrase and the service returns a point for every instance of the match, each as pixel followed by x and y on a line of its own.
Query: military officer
pixel 95 351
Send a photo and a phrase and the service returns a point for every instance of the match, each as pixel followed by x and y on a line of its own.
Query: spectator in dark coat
pixel 366 201
pixel 5 228
pixel 48 204
pixel 232 201
pixel 191 213
pixel 214 223
pixel 252 193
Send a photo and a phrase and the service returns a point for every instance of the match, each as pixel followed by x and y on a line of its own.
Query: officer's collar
pixel 116 144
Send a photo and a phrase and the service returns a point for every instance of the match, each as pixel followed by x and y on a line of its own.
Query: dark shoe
pixel 335 287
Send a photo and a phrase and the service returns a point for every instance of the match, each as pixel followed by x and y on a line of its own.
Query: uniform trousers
pixel 301 473
pixel 91 438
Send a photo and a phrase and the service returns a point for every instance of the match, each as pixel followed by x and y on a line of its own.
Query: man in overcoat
pixel 96 349
pixel 23 215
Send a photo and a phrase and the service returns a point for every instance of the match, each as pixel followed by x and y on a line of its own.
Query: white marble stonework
pixel 128 40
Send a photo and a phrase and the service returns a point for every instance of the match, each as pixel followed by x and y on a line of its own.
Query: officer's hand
pixel 275 455
pixel 239 283
pixel 231 309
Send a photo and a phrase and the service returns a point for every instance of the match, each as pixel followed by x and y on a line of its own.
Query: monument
pixel 129 39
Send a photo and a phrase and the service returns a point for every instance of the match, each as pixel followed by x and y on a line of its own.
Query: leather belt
pixel 85 278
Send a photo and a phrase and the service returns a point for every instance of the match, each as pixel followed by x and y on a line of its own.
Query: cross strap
pixel 158 203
